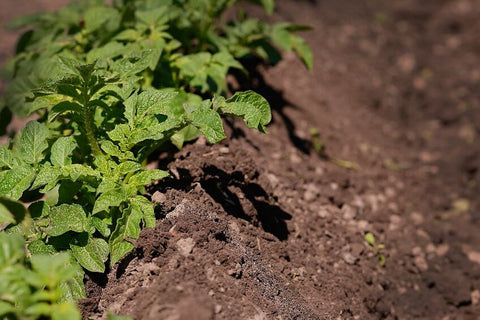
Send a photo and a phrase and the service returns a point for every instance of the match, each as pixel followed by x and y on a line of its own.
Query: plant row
pixel 109 85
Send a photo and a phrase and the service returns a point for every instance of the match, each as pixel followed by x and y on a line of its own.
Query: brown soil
pixel 264 227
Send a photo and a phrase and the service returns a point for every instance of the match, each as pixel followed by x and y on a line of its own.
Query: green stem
pixel 88 121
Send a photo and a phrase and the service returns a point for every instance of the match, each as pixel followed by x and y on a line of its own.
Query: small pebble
pixel 349 258
pixel 185 246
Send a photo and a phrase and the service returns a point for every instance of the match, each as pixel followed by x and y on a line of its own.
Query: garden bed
pixel 273 226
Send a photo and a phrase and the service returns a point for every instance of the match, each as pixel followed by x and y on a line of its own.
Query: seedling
pixel 317 141
pixel 377 249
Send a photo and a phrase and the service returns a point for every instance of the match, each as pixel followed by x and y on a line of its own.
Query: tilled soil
pixel 265 227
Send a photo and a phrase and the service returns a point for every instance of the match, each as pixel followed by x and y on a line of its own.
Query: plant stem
pixel 88 121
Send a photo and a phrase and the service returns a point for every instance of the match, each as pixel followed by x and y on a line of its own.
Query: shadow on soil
pixel 256 82
pixel 218 184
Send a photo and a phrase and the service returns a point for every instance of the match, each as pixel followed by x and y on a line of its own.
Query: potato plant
pixel 109 85
pixel 192 47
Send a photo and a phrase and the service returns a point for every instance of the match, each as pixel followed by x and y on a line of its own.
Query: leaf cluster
pixel 111 84
pixel 84 158
pixel 35 288
pixel 192 45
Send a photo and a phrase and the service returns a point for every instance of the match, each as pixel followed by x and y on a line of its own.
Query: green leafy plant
pixel 191 46
pixel 86 156
pixel 377 249
pixel 37 287
pixel 110 85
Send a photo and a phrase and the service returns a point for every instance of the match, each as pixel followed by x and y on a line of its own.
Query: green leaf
pixel 127 230
pixel 80 171
pixel 6 217
pixel 51 269
pixel 144 206
pixel 304 51
pixel 112 198
pixel 111 50
pixel 32 142
pixel 15 181
pixel 44 102
pixel 91 254
pixel 74 289
pixel 97 17
pixel 111 149
pixel 146 178
pixel 250 106
pixel 268 5
pixel 128 167
pixel 207 120
pixel 282 36
pixel 188 133
pixel 11 249
pixel 65 310
pixel 101 226
pixel 370 239
pixel 11 211
pixel 7 308
pixel 47 176
pixel 6 158
pixel 39 247
pixel 64 107
pixel 149 102
pixel 112 316
pixel 62 150
pixel 65 218
pixel 130 66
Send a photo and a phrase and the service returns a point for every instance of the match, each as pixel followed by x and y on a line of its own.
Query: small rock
pixel 427 157
pixel 474 256
pixel 430 248
pixel 417 251
pixel 349 213
pixel 406 62
pixel 311 192
pixel 185 246
pixel 178 211
pixel 417 218
pixel 390 192
pixel 159 197
pixel 295 159
pixel 442 249
pixel 421 263
pixel 373 201
pixel 175 173
pixel 323 213
pixel 358 202
pixel 273 179
pixel 422 233
pixel 218 308
pixel 392 206
pixel 363 225
pixel 394 219
pixel 201 141
pixel 357 249
pixel 236 272
pixel 224 150
pixel 349 258
pixel 319 171
pixel 475 297
pixel 395 222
